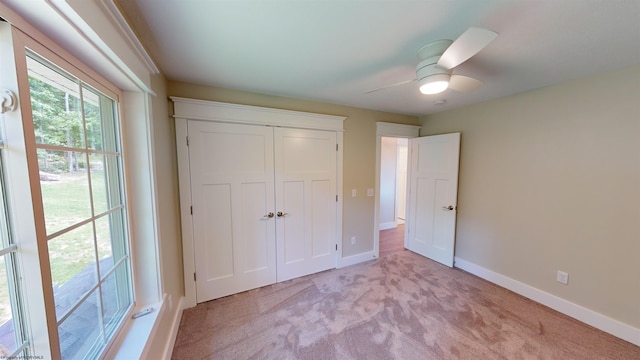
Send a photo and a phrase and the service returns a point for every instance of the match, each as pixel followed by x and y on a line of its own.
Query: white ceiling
pixel 335 50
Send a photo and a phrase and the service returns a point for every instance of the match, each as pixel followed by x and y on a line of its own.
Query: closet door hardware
pixel 281 214
pixel 269 215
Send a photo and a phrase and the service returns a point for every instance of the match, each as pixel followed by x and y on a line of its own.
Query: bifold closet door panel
pixel 305 178
pixel 232 184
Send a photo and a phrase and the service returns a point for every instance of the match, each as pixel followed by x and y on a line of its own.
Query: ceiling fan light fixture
pixel 434 84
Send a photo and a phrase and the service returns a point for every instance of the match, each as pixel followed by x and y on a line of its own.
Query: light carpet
pixel 401 306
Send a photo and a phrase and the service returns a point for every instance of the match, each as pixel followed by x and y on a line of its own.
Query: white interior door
pixel 232 184
pixel 433 194
pixel 305 167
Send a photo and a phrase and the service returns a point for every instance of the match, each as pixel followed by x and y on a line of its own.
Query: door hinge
pixel 191 208
pixel 194 276
pixel 336 247
pixel 336 147
pixel 336 198
pixel 187 141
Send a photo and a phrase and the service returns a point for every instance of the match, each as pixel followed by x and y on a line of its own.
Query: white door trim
pixel 192 109
pixel 385 129
pixel 244 114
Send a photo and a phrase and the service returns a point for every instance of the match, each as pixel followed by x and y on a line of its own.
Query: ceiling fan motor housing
pixel 429 69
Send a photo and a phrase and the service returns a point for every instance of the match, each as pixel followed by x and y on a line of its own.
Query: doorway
pixel 393 224
pixel 392 195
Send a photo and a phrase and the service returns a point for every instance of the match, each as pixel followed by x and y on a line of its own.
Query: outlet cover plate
pixel 562 277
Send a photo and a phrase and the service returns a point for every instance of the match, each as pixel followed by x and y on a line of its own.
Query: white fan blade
pixel 392 85
pixel 464 83
pixel 468 44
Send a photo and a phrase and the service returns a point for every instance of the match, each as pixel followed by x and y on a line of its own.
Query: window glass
pixel 80 332
pixel 55 104
pixel 64 181
pixel 81 180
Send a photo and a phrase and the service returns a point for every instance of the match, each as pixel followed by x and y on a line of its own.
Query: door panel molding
pixel 306 158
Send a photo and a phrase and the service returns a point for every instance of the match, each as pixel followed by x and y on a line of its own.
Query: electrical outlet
pixel 353 240
pixel 369 192
pixel 353 192
pixel 562 277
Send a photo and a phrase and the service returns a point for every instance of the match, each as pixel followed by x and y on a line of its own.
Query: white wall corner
pixel 587 316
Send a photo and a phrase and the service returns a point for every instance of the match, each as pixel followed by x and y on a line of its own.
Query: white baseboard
pixel 388 225
pixel 356 259
pixel 590 317
pixel 175 325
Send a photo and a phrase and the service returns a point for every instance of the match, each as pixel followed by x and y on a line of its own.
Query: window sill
pixel 136 335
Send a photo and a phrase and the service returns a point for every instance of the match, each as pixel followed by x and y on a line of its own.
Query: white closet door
pixel 305 166
pixel 232 184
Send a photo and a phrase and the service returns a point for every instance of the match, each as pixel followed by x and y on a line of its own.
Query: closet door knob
pixel 281 214
pixel 269 215
pixel 447 208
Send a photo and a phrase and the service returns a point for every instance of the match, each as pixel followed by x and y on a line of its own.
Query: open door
pixel 433 194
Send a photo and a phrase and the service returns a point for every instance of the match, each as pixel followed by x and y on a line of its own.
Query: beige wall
pixel 167 189
pixel 359 150
pixel 550 180
pixel 168 207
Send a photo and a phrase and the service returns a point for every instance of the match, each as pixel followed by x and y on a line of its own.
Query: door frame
pixel 385 129
pixel 186 109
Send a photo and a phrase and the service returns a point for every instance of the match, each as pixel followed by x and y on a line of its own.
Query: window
pixel 80 168
pixel 13 332
pixel 67 242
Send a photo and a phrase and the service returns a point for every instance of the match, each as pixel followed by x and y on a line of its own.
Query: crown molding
pixel 111 9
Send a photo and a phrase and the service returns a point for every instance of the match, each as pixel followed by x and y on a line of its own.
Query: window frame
pixel 28 219
pixel 8 250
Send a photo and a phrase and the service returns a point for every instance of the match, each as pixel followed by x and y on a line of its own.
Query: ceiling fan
pixel 438 58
